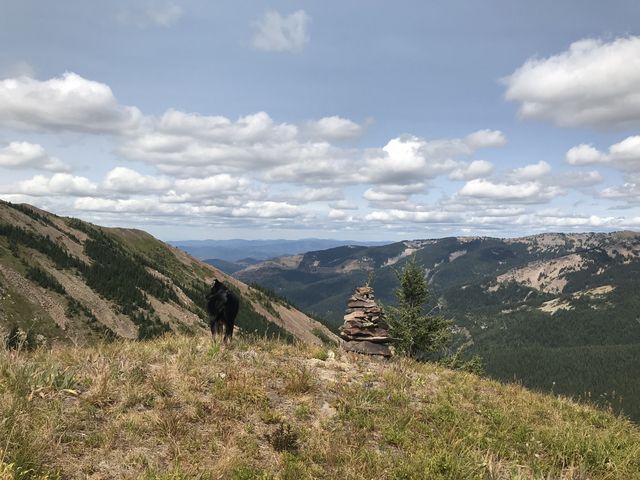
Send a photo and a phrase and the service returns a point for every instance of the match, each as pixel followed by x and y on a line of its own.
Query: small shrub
pixel 459 361
pixel 322 354
pixel 28 378
pixel 270 417
pixel 161 384
pixel 9 471
pixel 248 472
pixel 284 438
pixel 303 411
pixel 17 339
pixel 300 380
pixel 213 350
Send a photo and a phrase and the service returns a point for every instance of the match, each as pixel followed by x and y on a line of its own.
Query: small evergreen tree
pixel 416 332
pixel 419 333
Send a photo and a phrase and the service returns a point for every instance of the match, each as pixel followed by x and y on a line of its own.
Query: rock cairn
pixel 365 330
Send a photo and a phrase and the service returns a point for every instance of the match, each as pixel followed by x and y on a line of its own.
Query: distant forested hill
pixel 559 312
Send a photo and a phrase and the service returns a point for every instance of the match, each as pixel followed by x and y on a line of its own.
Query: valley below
pixel 555 312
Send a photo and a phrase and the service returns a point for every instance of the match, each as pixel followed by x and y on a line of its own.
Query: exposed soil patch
pixel 51 304
pixel 547 276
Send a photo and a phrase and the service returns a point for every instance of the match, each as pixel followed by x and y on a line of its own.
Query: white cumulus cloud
pixel 409 158
pixel 344 205
pixel 394 215
pixel 335 214
pixel 257 127
pixel 67 103
pixel 30 155
pixel 593 84
pixel 624 155
pixel 310 195
pixel 125 180
pixel 146 205
pixel 584 154
pixel 267 209
pixel 378 196
pixel 159 13
pixel 333 128
pixel 63 184
pixel 532 172
pixel 526 192
pixel 629 191
pixel 486 139
pixel 475 169
pixel 578 179
pixel 281 33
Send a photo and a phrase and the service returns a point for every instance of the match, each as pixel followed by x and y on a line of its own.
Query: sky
pixel 361 120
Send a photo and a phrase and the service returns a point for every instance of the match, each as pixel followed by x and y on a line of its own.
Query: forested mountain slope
pixel 64 279
pixel 558 312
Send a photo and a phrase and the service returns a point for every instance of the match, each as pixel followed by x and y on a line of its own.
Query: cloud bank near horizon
pixel 181 167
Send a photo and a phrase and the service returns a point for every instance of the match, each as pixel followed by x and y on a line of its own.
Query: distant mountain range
pixel 253 251
pixel 558 311
pixel 63 280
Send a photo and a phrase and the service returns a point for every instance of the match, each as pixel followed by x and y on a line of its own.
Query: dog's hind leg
pixel 219 327
pixel 215 324
pixel 228 331
pixel 229 318
pixel 225 321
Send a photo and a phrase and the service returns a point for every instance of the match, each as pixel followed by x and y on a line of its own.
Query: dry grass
pixel 180 407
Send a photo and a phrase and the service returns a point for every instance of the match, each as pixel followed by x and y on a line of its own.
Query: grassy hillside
pixel 62 279
pixel 181 407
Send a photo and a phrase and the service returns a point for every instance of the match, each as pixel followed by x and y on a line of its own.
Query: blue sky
pixel 363 120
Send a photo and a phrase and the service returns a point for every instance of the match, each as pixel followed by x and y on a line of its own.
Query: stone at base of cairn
pixel 367 348
pixel 365 330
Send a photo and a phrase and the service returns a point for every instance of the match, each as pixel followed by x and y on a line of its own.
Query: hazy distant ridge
pixel 237 249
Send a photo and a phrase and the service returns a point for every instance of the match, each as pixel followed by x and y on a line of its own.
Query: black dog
pixel 222 305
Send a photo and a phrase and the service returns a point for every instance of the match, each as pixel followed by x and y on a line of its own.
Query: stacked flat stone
pixel 365 330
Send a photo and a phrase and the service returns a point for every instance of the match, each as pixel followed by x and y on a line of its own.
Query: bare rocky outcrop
pixel 365 329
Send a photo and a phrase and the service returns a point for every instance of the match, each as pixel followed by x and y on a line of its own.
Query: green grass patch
pixel 182 407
